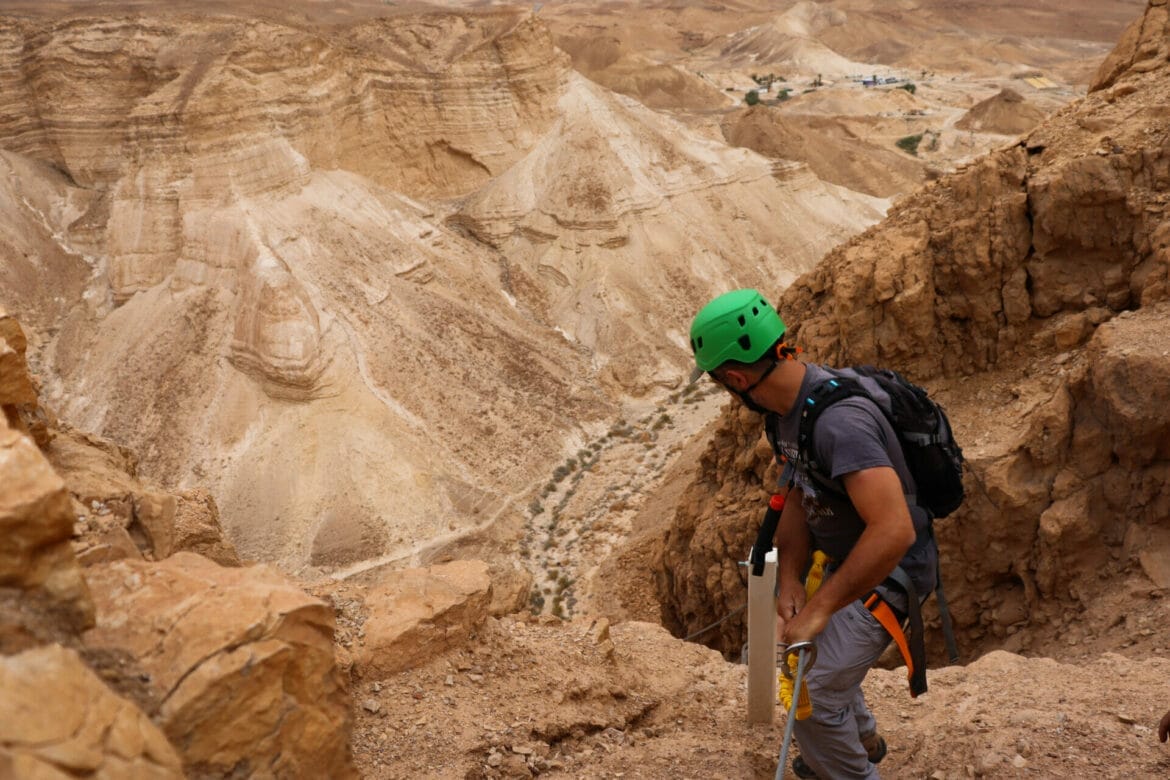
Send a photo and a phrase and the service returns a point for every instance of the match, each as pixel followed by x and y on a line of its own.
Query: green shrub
pixel 909 144
pixel 909 87
pixel 752 97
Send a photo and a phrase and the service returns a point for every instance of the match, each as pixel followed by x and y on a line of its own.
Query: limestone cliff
pixel 1030 291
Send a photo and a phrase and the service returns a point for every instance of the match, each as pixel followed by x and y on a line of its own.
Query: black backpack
pixel 932 454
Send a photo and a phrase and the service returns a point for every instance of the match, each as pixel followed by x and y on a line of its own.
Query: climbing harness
pixel 806 657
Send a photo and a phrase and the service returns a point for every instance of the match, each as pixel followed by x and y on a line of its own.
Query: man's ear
pixel 735 379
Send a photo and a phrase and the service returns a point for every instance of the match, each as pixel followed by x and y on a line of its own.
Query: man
pixel 860 518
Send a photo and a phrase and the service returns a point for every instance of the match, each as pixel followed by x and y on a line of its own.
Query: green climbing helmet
pixel 739 325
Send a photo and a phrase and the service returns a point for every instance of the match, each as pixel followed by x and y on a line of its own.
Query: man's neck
pixel 779 391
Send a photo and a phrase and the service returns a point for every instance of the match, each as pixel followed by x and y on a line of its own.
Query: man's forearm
pixel 869 562
pixel 792 538
pixel 877 495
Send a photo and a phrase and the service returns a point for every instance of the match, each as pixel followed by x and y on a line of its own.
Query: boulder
pixel 197 528
pixel 241 660
pixel 58 720
pixel 15 385
pixel 42 593
pixel 18 393
pixel 418 613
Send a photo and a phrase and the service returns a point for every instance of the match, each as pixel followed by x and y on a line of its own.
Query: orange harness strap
pixel 881 610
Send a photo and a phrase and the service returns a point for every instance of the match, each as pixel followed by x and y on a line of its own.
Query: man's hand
pixel 1164 728
pixel 806 626
pixel 788 604
pixel 791 599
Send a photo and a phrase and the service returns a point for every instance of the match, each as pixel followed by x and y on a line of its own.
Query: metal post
pixel 761 696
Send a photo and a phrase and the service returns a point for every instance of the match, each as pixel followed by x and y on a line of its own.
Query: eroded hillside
pixel 363 279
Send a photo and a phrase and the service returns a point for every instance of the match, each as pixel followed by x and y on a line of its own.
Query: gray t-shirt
pixel 851 435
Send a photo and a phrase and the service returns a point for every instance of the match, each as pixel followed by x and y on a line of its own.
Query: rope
pixel 801 658
pixel 721 620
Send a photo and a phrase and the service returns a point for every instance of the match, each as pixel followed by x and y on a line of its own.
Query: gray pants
pixel 830 739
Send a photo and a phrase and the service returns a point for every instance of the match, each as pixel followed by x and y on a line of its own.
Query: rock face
pixel 39 576
pixel 42 594
pixel 418 613
pixel 241 662
pixel 828 146
pixel 19 400
pixel 57 719
pixel 1030 292
pixel 120 516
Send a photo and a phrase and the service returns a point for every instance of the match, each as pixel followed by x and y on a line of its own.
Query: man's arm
pixel 877 496
pixel 794 545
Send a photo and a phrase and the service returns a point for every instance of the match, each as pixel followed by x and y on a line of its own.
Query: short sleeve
pixel 852 435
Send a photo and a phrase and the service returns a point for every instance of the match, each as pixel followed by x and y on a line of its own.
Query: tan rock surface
pixel 42 593
pixel 615 207
pixel 19 402
pixel 1006 113
pixel 558 700
pixel 241 661
pixel 57 719
pixel 828 147
pixel 119 515
pixel 416 614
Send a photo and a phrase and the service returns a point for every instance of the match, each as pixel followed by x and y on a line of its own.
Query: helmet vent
pixel 700 342
pixel 755 312
pixel 745 342
pixel 742 321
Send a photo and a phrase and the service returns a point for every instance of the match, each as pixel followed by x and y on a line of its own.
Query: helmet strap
pixel 745 394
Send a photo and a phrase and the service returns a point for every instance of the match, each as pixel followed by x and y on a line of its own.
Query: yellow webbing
pixel 816 574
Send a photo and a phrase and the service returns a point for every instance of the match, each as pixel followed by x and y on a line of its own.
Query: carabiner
pixel 798 647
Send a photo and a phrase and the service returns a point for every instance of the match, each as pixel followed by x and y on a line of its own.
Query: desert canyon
pixel 346 427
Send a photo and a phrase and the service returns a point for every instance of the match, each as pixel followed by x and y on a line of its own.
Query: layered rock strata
pixel 267 309
pixel 616 206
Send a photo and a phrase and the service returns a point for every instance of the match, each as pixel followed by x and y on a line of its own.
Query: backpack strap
pixel 820 398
